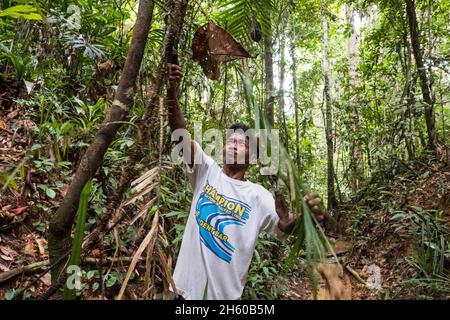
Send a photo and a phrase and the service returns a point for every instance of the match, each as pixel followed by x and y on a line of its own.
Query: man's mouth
pixel 232 156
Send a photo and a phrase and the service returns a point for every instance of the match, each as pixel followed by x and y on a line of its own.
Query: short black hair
pixel 237 126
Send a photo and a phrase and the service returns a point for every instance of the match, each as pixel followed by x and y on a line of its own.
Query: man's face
pixel 236 151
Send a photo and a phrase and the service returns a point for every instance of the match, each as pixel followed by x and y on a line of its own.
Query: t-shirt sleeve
pixel 270 216
pixel 202 162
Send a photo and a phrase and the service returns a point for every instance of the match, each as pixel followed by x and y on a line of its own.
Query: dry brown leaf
pixel 151 234
pixel 20 210
pixel 7 207
pixel 42 243
pixel 141 193
pixel 29 248
pixel 12 114
pixel 8 215
pixel 8 252
pixel 211 46
pixel 3 125
pixel 96 253
pixel 3 267
pixel 46 279
pixel 26 123
pixel 6 258
pixel 146 175
pixel 144 210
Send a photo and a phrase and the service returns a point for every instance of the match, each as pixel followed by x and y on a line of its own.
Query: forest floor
pixel 374 236
pixel 369 227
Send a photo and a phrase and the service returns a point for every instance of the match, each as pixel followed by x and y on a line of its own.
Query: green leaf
pixel 9 295
pixel 111 281
pixel 95 286
pixel 91 273
pixel 178 214
pixel 40 226
pixel 205 291
pixel 50 193
pixel 398 215
pixel 21 11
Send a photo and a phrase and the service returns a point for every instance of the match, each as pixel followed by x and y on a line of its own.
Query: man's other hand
pixel 314 201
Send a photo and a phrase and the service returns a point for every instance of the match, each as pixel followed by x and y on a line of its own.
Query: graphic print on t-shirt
pixel 215 211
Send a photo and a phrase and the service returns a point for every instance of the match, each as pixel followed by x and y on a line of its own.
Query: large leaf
pixel 211 46
pixel 21 11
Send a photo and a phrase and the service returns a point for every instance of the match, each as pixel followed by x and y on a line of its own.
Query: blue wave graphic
pixel 211 214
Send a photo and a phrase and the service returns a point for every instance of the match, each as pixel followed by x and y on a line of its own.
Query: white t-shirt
pixel 225 219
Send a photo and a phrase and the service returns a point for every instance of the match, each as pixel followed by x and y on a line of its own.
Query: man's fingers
pixel 313 195
pixel 174 67
pixel 315 201
pixel 174 71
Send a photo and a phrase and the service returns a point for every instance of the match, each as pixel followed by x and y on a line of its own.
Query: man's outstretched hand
pixel 314 201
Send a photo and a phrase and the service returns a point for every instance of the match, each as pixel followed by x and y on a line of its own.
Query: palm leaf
pixel 308 236
pixel 75 256
pixel 236 17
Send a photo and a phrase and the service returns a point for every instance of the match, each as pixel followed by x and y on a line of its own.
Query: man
pixel 227 214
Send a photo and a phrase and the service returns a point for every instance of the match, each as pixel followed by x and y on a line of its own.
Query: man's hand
pixel 176 118
pixel 174 76
pixel 314 202
pixel 287 219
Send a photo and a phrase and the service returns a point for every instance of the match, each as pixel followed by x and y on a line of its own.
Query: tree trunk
pixel 269 92
pixel 328 111
pixel 409 85
pixel 61 223
pixel 355 147
pixel 282 71
pixel 145 126
pixel 424 84
pixel 295 97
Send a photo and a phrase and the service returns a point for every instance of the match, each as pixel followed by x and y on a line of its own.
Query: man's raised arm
pixel 176 117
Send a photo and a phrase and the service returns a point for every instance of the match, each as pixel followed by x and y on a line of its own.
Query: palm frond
pixel 75 256
pixel 236 16
pixel 308 236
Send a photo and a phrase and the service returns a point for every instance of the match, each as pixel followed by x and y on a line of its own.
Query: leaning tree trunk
pixel 61 223
pixel 328 113
pixel 145 126
pixel 417 52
